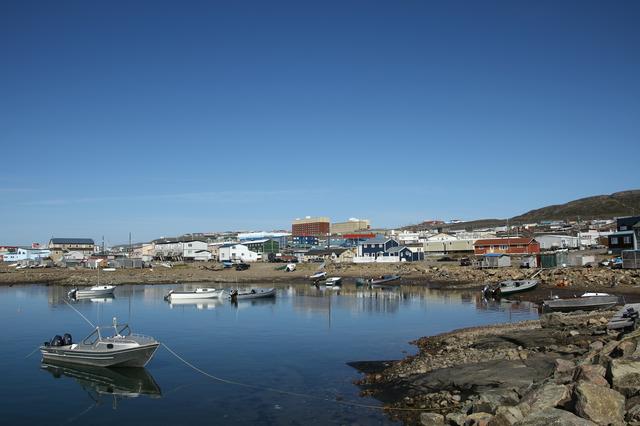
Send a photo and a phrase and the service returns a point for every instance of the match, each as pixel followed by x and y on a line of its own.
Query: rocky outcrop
pixel 534 373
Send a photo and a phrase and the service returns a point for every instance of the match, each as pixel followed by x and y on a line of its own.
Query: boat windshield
pixel 102 332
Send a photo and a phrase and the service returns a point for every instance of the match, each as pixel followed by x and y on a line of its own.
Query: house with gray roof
pixel 377 246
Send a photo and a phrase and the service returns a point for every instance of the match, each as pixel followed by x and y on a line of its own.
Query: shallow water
pixel 298 342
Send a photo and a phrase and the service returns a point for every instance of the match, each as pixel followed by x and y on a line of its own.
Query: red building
pixel 319 226
pixel 507 246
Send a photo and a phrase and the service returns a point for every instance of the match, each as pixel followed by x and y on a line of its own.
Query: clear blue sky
pixel 161 118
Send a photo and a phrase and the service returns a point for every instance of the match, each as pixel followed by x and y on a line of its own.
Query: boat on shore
pixel 384 281
pixel 121 348
pixel 586 302
pixel 508 287
pixel 254 293
pixel 198 293
pixel 333 282
pixel 318 276
pixel 95 291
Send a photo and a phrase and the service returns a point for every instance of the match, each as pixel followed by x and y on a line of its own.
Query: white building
pixel 182 250
pixel 26 254
pixel 236 253
pixel 590 238
pixel 551 242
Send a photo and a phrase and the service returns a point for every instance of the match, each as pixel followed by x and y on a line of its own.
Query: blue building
pixel 405 254
pixel 377 246
pixel 304 241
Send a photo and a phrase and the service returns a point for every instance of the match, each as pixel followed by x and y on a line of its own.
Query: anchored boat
pixel 198 293
pixel 318 276
pixel 509 287
pixel 254 293
pixel 112 346
pixel 98 290
pixel 333 282
pixel 383 281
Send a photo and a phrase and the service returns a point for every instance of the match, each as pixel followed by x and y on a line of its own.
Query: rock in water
pixel 599 404
pixel 554 416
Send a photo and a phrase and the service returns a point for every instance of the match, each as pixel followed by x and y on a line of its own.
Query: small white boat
pixel 198 293
pixel 508 287
pixel 318 276
pixel 254 293
pixel 333 282
pixel 98 290
pixel 109 269
pixel 290 267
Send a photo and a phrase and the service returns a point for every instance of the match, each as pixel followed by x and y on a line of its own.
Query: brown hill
pixel 625 203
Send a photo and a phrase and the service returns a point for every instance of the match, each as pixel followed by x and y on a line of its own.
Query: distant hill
pixel 624 203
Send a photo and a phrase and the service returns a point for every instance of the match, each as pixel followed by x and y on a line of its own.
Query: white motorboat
pixel 509 287
pixel 97 290
pixel 254 293
pixel 198 293
pixel 333 282
pixel 121 349
pixel 318 276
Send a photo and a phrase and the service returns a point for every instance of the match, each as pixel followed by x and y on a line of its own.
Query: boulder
pixel 549 395
pixel 625 349
pixel 564 366
pixel 593 373
pixel 554 416
pixel 490 400
pixel 598 404
pixel 506 416
pixel 478 419
pixel 624 375
pixel 431 419
pixel 457 419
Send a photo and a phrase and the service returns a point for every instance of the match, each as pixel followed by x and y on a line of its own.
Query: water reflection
pixel 115 382
pixel 195 303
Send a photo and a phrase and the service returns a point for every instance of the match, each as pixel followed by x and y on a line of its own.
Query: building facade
pixel 236 253
pixel 350 226
pixel 507 246
pixel 627 235
pixel 311 226
pixel 376 246
pixel 59 246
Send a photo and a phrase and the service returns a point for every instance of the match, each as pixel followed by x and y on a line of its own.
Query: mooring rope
pixel 32 352
pixel 79 313
pixel 290 393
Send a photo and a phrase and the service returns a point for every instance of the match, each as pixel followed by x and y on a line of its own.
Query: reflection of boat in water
pixel 197 303
pixel 107 298
pixel 122 349
pixel 123 382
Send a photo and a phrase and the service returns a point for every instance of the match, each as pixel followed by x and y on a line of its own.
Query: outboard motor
pixel 57 340
pixel 66 339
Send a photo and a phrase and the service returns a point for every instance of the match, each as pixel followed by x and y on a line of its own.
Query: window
pixel 627 240
pixel 614 240
pixel 504 247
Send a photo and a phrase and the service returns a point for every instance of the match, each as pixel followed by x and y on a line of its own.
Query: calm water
pixel 299 342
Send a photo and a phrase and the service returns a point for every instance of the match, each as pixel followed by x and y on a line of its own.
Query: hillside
pixel 624 203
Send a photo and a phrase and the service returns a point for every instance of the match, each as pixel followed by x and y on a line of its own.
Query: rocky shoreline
pixel 562 369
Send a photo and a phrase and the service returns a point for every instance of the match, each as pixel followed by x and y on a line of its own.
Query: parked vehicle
pixel 465 261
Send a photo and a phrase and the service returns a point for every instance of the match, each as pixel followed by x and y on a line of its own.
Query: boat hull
pixel 192 295
pixel 94 291
pixel 131 357
pixel 384 282
pixel 580 304
pixel 257 295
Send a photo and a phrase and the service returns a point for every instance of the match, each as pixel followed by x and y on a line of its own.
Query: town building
pixel 280 237
pixel 449 246
pixel 375 247
pixel 507 246
pixel 627 235
pixel 262 246
pixel 236 253
pixel 495 260
pixel 311 226
pixel 25 254
pixel 553 242
pixel 59 246
pixel 302 241
pixel 406 254
pixel 173 249
pixel 350 226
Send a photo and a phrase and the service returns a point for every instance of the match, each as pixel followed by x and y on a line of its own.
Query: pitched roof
pixel 504 241
pixel 71 241
pixel 380 239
